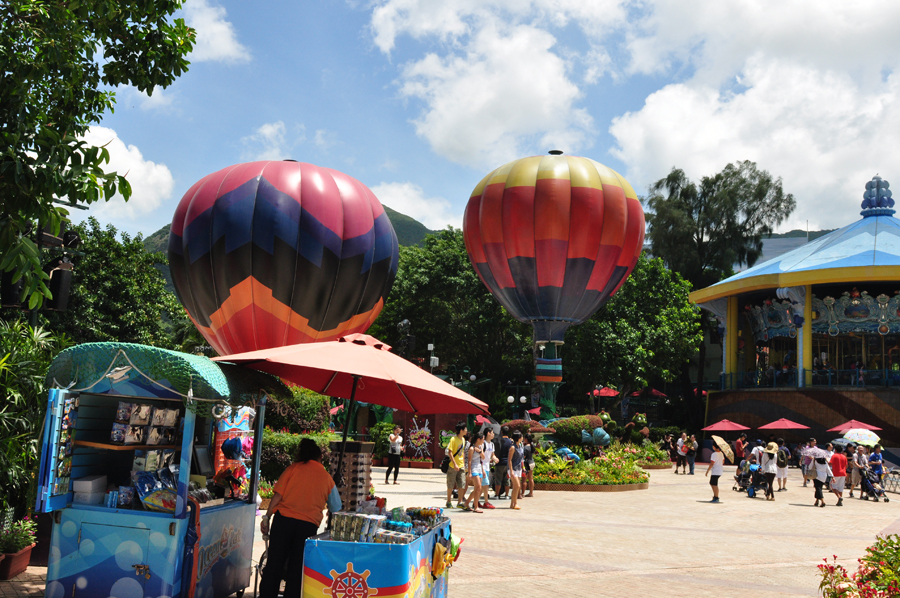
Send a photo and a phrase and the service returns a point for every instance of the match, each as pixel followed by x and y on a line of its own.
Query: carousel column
pixel 731 342
pixel 806 336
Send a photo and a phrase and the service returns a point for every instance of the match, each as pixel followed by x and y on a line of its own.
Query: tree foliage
pixel 646 332
pixel 702 230
pixel 437 290
pixel 118 293
pixel 59 65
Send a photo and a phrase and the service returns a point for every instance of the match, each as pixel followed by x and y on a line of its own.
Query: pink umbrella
pixel 334 410
pixel 535 411
pixel 853 424
pixel 725 426
pixel 784 424
pixel 480 419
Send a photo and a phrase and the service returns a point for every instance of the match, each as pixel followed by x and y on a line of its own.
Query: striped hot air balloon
pixel 267 254
pixel 553 238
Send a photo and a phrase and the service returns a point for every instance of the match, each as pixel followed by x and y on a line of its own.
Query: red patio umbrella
pixel 850 425
pixel 725 426
pixel 360 368
pixel 783 424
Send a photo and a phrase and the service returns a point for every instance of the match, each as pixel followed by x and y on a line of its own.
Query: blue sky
pixel 419 99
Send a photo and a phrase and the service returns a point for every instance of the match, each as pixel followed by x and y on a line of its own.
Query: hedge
pixel 568 430
pixel 279 448
pixel 527 426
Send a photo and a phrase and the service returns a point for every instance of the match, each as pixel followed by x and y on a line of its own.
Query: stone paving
pixel 665 541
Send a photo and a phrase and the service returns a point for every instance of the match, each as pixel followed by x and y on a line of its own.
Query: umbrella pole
pixel 338 479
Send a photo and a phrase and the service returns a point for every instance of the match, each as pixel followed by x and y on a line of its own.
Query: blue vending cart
pixel 102 547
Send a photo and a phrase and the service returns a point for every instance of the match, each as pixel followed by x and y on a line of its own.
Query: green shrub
pixel 304 413
pixel 527 427
pixel 657 434
pixel 379 433
pixel 279 448
pixel 568 431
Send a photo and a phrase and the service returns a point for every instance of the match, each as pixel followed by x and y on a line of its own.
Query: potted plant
pixel 266 491
pixel 420 463
pixel 380 433
pixel 16 542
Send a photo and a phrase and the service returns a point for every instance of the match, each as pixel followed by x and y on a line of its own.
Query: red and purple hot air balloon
pixel 267 254
pixel 553 238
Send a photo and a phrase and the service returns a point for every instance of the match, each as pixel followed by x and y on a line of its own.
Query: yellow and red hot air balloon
pixel 553 238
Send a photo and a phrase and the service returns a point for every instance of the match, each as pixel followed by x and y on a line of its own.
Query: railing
pixel 813 378
pixel 892 481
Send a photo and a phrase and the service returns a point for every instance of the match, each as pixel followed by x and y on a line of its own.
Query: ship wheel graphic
pixel 350 584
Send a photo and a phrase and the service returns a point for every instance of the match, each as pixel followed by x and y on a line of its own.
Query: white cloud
pixel 266 143
pixel 324 139
pixel 216 37
pixel 161 100
pixel 506 92
pixel 409 199
pixel 822 131
pixel 151 183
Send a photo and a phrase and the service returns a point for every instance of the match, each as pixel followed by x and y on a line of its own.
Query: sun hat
pixel 772 448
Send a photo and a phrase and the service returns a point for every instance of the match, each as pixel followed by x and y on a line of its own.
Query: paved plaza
pixel 665 541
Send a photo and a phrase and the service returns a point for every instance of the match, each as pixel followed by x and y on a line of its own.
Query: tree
pixel 118 293
pixel 59 65
pixel 438 291
pixel 702 231
pixel 646 332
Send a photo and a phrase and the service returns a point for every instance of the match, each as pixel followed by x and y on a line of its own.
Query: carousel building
pixel 813 335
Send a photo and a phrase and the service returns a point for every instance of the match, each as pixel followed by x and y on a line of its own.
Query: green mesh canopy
pixel 142 371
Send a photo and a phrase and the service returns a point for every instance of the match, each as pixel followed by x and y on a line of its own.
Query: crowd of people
pixel 683 451
pixel 825 468
pixel 477 464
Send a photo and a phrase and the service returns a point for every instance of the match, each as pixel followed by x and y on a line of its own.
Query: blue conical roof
pixel 868 249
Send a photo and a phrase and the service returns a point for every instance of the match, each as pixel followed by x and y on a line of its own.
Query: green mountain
pixel 409 230
pixel 797 233
pixel 158 241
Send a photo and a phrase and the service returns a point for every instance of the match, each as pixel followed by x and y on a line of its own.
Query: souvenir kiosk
pixel 127 469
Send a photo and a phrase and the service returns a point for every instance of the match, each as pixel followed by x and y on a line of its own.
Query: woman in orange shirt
pixel 302 493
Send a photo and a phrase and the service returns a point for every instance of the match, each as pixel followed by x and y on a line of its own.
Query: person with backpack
pixel 769 466
pixel 692 452
pixel 501 469
pixel 782 460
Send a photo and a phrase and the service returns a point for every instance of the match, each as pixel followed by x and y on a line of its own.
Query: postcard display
pixel 116 473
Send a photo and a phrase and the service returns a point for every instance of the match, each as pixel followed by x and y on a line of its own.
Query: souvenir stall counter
pixel 383 555
pixel 371 549
pixel 149 467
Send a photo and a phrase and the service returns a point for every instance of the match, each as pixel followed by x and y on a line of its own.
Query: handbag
pixel 445 464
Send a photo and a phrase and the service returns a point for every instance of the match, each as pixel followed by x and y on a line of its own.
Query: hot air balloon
pixel 267 254
pixel 553 238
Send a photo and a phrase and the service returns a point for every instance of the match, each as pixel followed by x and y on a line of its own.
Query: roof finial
pixel 877 198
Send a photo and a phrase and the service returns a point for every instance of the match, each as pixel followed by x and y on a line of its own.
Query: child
pixel 716 460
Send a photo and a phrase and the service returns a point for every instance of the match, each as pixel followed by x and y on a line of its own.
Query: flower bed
pixel 590 487
pixel 878 574
pixel 617 467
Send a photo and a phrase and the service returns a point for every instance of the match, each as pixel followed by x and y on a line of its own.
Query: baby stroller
pixel 757 482
pixel 872 487
pixel 742 477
